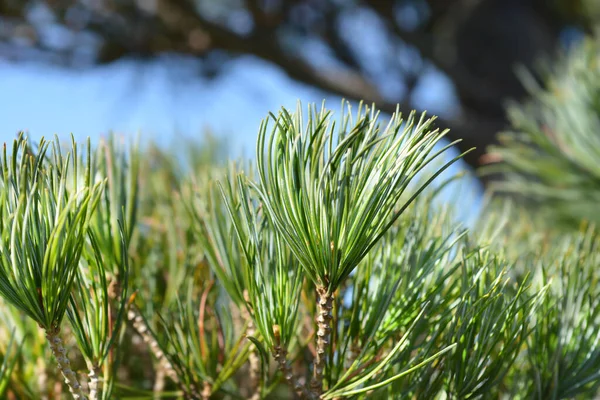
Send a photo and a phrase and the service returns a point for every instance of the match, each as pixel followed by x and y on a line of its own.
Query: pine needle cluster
pixel 332 267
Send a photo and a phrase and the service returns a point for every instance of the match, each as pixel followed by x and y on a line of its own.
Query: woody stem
pixel 94 384
pixel 64 364
pixel 324 318
pixel 280 356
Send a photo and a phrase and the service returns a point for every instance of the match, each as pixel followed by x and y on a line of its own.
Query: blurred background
pixel 174 68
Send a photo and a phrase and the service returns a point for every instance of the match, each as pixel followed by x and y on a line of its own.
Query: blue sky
pixel 155 100
pixel 166 100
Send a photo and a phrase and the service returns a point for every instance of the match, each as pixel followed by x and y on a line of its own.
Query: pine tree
pixel 330 267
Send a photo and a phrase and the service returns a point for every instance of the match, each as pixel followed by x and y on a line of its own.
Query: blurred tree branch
pixel 476 43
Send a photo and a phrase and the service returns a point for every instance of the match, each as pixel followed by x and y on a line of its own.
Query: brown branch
pixel 440 49
pixel 64 364
pixel 345 83
pixel 280 356
pixel 140 326
pixel 324 318
pixel 177 25
pixel 253 358
pixel 202 310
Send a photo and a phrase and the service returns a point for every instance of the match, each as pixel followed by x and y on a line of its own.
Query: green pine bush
pixel 329 268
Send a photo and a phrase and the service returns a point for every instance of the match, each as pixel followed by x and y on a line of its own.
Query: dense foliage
pixel 331 268
pixel 551 153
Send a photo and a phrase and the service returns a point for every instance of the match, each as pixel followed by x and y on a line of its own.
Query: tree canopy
pixel 370 50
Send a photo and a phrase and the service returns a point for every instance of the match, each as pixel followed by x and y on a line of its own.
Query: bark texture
pixel 94 383
pixel 64 364
pixel 324 318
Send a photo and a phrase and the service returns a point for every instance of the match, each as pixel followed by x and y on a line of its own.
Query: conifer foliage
pixel 330 267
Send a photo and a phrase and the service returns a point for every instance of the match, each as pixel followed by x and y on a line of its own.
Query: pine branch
pixel 139 324
pixel 324 320
pixel 94 383
pixel 280 356
pixel 64 364
pixel 253 358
